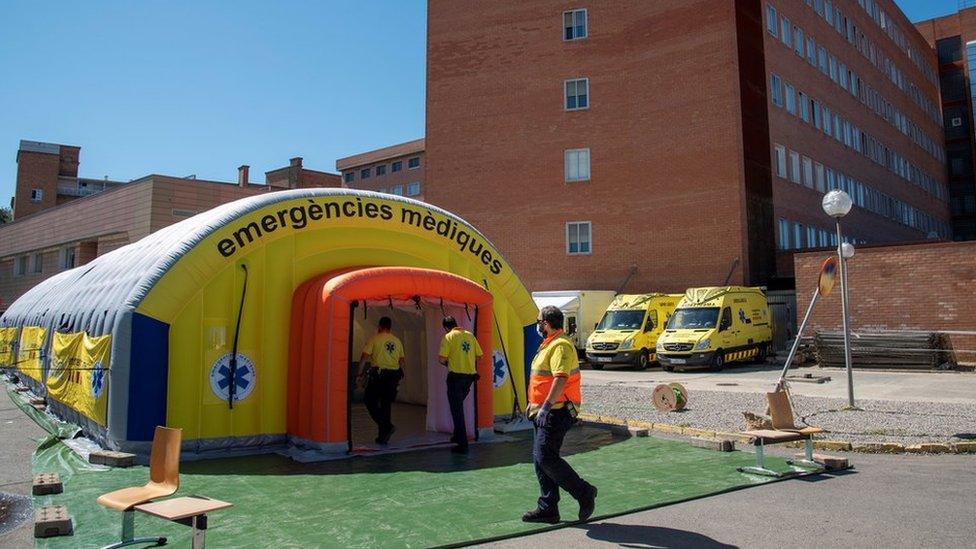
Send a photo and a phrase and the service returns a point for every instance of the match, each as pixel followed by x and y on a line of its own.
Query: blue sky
pixel 183 87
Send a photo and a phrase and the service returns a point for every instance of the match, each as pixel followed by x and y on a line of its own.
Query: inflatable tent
pixel 241 325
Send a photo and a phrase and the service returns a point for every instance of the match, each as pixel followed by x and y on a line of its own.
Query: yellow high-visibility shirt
pixel 461 349
pixel 384 350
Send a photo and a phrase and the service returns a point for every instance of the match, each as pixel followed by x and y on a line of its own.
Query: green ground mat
pixel 47 422
pixel 417 499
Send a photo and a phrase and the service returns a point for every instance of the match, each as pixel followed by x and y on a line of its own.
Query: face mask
pixel 539 329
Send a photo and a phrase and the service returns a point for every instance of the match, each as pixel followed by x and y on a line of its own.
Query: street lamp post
pixel 837 204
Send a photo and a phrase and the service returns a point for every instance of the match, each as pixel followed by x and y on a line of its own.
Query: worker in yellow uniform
pixel 381 369
pixel 554 400
pixel 459 351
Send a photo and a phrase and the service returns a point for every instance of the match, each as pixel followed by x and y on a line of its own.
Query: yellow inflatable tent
pixel 236 325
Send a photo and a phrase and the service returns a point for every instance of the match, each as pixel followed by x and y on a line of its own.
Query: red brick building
pixel 397 169
pixel 66 229
pixel 678 143
pixel 954 40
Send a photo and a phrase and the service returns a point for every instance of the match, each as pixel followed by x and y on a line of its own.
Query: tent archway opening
pixel 334 313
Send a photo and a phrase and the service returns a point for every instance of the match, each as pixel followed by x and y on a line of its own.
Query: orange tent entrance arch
pixel 320 347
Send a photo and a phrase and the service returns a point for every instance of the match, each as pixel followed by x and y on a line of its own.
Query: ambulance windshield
pixel 693 319
pixel 622 320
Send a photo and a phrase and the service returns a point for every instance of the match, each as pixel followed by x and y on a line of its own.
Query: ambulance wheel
pixel 718 363
pixel 761 354
pixel 596 366
pixel 643 360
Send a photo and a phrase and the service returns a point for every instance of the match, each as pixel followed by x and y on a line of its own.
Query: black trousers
pixel 458 387
pixel 551 469
pixel 378 396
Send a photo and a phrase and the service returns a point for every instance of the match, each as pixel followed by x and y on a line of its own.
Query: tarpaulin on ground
pixel 8 336
pixel 416 499
pixel 78 375
pixel 29 351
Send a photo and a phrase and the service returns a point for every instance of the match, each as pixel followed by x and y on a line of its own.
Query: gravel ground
pixel 877 421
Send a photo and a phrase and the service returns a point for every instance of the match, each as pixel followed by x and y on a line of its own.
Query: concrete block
pixel 929 448
pixel 878 448
pixel 47 483
pixel 719 445
pixel 21 388
pixel 626 431
pixel 831 463
pixel 832 445
pixel 112 459
pixel 39 407
pixel 52 521
pixel 964 447
pixel 36 400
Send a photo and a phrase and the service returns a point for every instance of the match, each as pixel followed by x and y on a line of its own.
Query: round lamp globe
pixel 837 203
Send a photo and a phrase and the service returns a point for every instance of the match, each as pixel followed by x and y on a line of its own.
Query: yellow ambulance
pixel 715 326
pixel 629 329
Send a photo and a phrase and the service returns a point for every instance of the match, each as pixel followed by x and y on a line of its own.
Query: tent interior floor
pixel 411 430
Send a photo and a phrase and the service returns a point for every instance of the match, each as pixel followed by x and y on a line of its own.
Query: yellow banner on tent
pixel 29 351
pixel 79 373
pixel 8 336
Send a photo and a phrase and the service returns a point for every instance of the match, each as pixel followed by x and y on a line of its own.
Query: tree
pixel 6 216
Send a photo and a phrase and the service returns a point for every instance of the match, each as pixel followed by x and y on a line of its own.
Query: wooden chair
pixel 164 480
pixel 784 430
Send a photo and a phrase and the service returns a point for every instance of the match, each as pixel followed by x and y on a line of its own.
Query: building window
pixel 771 19
pixel 807 172
pixel 20 266
pixel 804 107
pixel 822 59
pixel 780 159
pixel 818 171
pixel 578 238
pixel 785 36
pixel 577 163
pixel 798 41
pixel 380 170
pixel 798 236
pixel 37 195
pixel 811 237
pixel 349 177
pixel 397 190
pixel 811 51
pixel 38 263
pixel 817 115
pixel 574 25
pixel 413 163
pixel 776 89
pixel 397 166
pixel 577 93
pixel 413 189
pixel 68 258
pixel 832 64
pixel 364 173
pixel 790 99
pixel 826 120
pixel 794 166
pixel 784 234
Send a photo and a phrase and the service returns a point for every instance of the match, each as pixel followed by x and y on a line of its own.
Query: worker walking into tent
pixel 459 351
pixel 554 399
pixel 381 367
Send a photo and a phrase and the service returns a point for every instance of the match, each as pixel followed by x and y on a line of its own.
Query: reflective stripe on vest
pixel 541 379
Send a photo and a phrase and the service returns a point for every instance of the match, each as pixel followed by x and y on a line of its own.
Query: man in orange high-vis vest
pixel 554 400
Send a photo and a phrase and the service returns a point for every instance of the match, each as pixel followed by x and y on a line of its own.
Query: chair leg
pixel 128 533
pixel 760 468
pixel 807 464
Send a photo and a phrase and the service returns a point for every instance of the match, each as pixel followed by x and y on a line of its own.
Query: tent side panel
pixel 149 364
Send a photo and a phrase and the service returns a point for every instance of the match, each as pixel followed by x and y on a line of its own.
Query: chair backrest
pixel 164 458
pixel 780 410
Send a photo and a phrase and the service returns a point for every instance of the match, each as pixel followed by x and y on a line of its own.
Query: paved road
pixel 888 501
pixel 18 438
pixel 954 387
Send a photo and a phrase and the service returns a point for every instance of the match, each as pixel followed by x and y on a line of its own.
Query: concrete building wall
pixel 387 170
pixel 916 287
pixel 663 127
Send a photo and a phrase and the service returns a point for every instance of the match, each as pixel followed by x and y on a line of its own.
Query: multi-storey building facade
pixel 672 144
pixel 954 40
pixel 397 169
pixel 63 234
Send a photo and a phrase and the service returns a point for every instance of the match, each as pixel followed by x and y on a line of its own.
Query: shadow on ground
pixel 639 536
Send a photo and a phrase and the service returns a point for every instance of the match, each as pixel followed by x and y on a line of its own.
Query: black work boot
pixel 587 503
pixel 538 515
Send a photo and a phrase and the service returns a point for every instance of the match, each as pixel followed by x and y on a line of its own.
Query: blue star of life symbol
pixel 465 346
pixel 390 347
pixel 499 369
pixel 244 377
pixel 97 379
